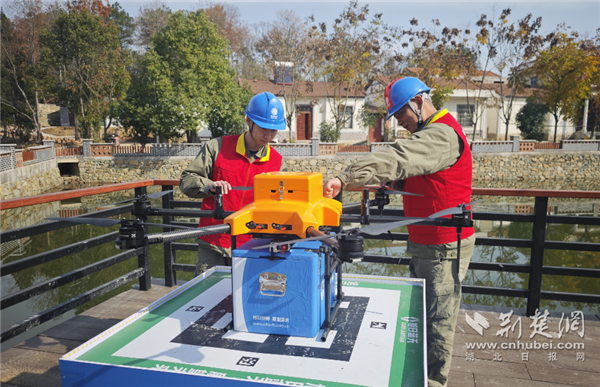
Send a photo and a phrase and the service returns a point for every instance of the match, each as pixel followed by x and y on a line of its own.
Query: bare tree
pixel 283 44
pixel 153 17
pixel 346 58
pixel 517 44
pixel 437 56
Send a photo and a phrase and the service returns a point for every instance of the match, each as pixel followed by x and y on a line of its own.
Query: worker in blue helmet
pixel 229 162
pixel 435 163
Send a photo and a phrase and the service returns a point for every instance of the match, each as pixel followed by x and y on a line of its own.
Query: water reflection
pixel 27 247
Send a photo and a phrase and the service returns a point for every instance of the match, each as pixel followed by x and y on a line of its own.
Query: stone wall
pixel 96 170
pixel 578 170
pixel 511 167
pixel 30 180
pixel 539 166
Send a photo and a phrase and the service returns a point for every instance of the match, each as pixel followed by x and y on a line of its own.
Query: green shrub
pixel 530 121
pixel 329 132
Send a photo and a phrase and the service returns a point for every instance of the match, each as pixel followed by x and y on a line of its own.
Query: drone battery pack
pixel 284 296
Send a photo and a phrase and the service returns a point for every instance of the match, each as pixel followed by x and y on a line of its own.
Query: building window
pixel 348 113
pixel 465 114
pixel 534 81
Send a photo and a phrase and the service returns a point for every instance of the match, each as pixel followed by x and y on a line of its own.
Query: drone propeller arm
pixel 100 222
pixel 178 235
pixel 313 232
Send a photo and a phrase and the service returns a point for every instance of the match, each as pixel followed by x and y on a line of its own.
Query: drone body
pixel 286 203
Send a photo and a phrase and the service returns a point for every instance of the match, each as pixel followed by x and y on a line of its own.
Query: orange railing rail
pixel 77 193
pixel 61 152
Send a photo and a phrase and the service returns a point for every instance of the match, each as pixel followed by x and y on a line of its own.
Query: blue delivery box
pixel 284 296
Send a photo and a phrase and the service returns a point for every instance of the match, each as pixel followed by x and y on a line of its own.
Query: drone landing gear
pixel 332 262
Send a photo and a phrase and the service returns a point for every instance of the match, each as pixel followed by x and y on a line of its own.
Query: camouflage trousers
pixel 437 264
pixel 211 255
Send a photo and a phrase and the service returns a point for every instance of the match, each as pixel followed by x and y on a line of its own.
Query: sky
pixel 583 17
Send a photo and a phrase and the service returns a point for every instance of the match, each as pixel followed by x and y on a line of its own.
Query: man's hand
pixel 225 186
pixel 332 188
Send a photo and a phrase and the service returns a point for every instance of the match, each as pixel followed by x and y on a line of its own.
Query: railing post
pixel 13 157
pixel 169 253
pixel 314 146
pixel 515 140
pixel 87 147
pixel 144 258
pixel 537 254
pixel 50 143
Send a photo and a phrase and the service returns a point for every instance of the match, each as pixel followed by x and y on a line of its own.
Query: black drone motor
pixel 131 235
pixel 351 248
pixel 140 207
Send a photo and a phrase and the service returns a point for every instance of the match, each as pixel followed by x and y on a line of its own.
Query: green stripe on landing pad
pixel 408 357
pixel 102 353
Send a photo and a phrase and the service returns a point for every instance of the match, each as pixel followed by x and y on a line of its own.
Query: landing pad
pixel 186 339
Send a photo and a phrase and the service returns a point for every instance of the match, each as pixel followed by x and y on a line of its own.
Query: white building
pixel 313 108
pixel 483 94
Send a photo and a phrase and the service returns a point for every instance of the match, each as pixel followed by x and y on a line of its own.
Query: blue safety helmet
pixel 266 111
pixel 401 91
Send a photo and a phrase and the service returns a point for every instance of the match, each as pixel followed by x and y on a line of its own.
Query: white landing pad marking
pixel 364 367
pixel 313 342
pixel 245 336
pixel 223 321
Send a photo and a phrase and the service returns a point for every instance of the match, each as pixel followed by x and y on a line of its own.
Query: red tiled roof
pixel 417 70
pixel 460 84
pixel 307 89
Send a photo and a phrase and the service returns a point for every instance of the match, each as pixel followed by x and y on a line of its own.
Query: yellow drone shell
pixel 286 203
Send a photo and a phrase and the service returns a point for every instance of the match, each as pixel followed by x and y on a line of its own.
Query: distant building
pixel 312 108
pixel 490 122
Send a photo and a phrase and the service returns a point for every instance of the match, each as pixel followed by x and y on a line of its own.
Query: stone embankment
pixel 30 180
pixel 540 170
pixel 512 168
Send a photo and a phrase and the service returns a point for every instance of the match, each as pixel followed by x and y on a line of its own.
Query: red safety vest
pixel 233 166
pixel 440 190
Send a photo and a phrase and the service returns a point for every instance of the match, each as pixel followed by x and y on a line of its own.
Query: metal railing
pixel 536 242
pixel 142 253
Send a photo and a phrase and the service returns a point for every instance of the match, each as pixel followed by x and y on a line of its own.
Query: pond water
pixel 26 247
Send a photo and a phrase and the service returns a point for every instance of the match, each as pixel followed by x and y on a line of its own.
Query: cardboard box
pixel 282 296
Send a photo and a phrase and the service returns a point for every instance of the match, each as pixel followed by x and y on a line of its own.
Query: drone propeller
pixel 103 222
pixel 452 210
pixel 387 191
pixel 150 196
pixel 377 229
